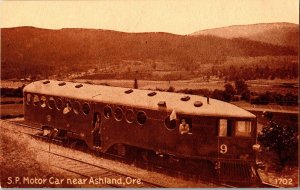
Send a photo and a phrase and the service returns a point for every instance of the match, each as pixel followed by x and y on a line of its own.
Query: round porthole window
pixel 76 107
pixel 170 124
pixel 118 114
pixel 107 112
pixel 141 117
pixel 86 108
pixel 130 116
pixel 36 100
pixel 51 103
pixel 59 104
pixel 43 101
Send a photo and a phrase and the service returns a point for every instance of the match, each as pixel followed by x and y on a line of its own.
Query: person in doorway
pixel 97 131
pixel 184 127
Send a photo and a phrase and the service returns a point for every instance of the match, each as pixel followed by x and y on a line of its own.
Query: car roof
pixel 138 98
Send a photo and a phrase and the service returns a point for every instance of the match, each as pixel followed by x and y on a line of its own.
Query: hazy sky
pixel 176 16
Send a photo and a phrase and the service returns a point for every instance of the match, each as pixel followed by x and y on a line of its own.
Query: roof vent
pixel 162 103
pixel 46 82
pixel 198 103
pixel 151 93
pixel 78 86
pixel 129 91
pixel 185 98
pixel 62 84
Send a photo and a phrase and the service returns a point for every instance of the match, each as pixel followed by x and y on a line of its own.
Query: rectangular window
pixel 243 128
pixel 224 128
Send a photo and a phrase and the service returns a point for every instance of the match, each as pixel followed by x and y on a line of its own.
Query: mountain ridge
pixel 280 33
pixel 30 49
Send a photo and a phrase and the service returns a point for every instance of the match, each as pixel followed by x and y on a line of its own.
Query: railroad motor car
pixel 208 136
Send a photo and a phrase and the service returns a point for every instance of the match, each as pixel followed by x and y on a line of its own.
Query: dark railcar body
pixel 137 118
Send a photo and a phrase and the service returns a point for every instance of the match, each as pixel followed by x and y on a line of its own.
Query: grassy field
pixel 269 107
pixel 12 84
pixel 11 100
pixel 200 83
pixel 11 109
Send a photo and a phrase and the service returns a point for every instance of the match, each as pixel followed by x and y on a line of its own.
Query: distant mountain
pixel 284 34
pixel 29 50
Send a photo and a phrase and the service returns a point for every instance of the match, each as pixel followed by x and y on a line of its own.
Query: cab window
pixel 243 128
pixel 225 126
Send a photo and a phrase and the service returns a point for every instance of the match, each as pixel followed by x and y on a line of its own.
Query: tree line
pixel 240 91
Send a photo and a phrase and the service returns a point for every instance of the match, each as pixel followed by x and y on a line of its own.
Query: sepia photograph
pixel 149 94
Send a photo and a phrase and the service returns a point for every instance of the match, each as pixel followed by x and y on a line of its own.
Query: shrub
pixel 240 86
pixel 218 94
pixel 281 139
pixel 229 92
pixel 171 89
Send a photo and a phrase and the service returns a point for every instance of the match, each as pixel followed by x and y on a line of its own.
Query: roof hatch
pixel 185 98
pixel 128 91
pixel 46 82
pixel 78 86
pixel 151 93
pixel 198 103
pixel 162 104
pixel 61 84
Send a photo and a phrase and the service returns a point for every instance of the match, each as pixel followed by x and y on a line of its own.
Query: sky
pixel 173 16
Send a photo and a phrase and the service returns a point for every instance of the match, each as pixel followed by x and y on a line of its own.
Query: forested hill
pixel 33 50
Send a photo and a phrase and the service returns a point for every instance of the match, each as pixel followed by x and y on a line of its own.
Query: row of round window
pixel 141 117
pixel 58 103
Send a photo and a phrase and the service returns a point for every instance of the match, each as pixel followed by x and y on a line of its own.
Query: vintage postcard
pixel 149 94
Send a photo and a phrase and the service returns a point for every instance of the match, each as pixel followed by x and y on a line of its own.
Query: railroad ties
pixel 88 174
pixel 97 176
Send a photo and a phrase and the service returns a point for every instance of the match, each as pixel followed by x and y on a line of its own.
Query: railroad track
pixel 92 174
pixel 95 173
pixel 91 171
